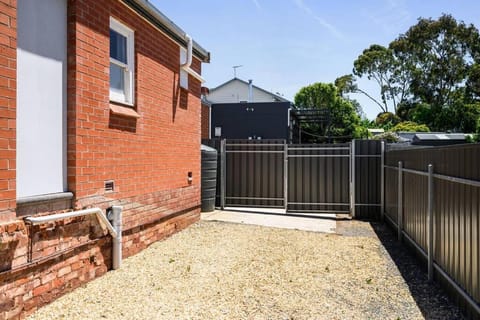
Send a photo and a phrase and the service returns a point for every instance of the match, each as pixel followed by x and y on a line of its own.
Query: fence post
pixel 285 175
pixel 352 179
pixel 223 155
pixel 430 223
pixel 400 200
pixel 382 181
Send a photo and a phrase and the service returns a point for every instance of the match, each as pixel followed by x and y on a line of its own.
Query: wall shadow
pixel 7 252
pixel 179 96
pixel 122 123
pixel 430 298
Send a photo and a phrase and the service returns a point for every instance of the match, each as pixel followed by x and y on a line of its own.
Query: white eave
pixel 149 12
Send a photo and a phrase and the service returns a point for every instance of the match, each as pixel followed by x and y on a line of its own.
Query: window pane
pixel 117 78
pixel 118 46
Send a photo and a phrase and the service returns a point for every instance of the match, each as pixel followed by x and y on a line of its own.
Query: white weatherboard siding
pixel 41 97
pixel 237 91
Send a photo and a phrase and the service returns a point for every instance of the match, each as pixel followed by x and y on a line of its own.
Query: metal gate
pixel 296 177
pixel 319 178
pixel 253 173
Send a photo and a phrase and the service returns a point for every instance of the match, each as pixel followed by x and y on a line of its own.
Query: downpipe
pixel 115 216
pixel 115 228
pixel 187 65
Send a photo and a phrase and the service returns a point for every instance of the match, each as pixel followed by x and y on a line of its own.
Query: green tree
pixel 380 64
pixel 344 122
pixel 387 120
pixel 473 83
pixel 345 85
pixel 440 59
pixel 410 126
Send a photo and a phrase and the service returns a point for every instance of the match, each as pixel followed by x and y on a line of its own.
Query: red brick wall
pixel 205 121
pixel 148 157
pixel 143 156
pixel 8 82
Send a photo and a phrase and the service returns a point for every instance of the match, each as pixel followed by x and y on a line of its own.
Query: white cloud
pixel 257 4
pixel 324 23
pixel 391 16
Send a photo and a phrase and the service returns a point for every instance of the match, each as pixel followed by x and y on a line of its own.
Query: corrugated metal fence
pixel 306 178
pixel 254 173
pixel 367 193
pixel 318 178
pixel 432 197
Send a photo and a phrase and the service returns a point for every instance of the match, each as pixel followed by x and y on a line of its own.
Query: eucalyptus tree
pixel 381 65
pixel 441 59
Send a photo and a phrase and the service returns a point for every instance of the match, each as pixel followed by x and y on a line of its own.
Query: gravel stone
pixel 215 270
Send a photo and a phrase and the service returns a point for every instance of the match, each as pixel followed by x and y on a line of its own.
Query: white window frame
pixel 129 67
pixel 183 73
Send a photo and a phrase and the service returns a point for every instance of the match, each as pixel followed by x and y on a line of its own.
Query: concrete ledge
pixel 45 197
pixel 271 218
pixel 44 203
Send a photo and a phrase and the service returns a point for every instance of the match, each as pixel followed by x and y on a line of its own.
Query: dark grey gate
pixel 253 173
pixel 319 178
pixel 308 178
pixel 297 177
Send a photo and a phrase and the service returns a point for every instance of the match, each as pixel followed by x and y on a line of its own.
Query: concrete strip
pixel 275 218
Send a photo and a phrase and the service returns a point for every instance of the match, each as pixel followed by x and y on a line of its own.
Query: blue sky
pixel 284 45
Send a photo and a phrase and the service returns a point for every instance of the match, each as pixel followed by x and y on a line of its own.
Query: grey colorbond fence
pixel 319 178
pixel 254 173
pixel 432 198
pixel 305 178
pixel 368 179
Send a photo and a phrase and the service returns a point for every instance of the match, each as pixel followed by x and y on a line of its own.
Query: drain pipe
pixel 188 63
pixel 115 230
pixel 115 215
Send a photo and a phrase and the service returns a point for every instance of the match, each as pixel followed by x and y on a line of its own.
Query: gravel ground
pixel 217 270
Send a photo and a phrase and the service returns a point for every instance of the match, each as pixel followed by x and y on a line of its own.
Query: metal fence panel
pixel 368 155
pixel 318 178
pixel 254 173
pixel 456 211
pixel 457 233
pixel 391 193
pixel 415 200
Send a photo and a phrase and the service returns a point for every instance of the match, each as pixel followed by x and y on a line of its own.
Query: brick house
pixel 206 114
pixel 99 106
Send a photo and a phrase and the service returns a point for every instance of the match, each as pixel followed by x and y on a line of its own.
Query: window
pixel 122 63
pixel 183 73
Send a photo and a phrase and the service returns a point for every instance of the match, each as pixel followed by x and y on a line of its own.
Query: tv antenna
pixel 235 70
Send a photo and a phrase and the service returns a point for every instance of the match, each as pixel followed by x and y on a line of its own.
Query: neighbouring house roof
pixel 150 13
pixel 275 97
pixel 376 131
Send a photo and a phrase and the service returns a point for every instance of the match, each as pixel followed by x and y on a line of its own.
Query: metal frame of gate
pixel 279 176
pixel 325 177
pixel 252 147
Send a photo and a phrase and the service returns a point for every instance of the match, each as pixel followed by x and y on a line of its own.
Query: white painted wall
pixel 41 97
pixel 237 91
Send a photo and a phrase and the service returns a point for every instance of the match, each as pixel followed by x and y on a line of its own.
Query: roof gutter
pixel 146 10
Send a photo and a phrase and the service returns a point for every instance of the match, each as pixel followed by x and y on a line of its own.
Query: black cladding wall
pixel 268 120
